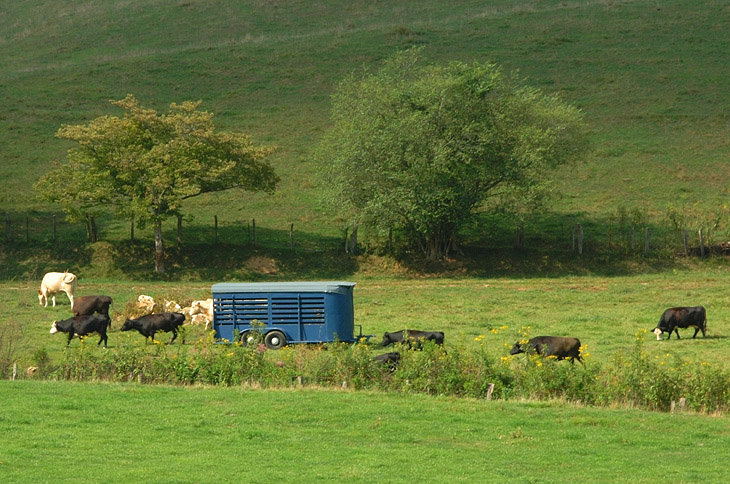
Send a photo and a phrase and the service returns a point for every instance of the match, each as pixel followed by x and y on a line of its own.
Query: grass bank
pixel 160 434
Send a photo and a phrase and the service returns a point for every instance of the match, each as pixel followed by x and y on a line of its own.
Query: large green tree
pixel 144 164
pixel 419 148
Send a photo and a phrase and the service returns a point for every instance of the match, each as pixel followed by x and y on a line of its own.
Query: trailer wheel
pixel 275 340
pixel 246 338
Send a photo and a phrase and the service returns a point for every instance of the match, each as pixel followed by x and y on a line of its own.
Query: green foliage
pixel 146 164
pixel 633 379
pixel 418 148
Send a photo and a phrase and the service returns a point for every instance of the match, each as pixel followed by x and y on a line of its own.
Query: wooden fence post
pixel 253 226
pixel 686 243
pixel 519 242
pixel 702 244
pixel 633 238
pixel 215 218
pixel 27 230
pixel 572 238
pixel 8 232
pixel 291 237
pixel 580 239
pixel 353 243
pixel 646 240
pixel 490 390
pixel 54 227
pixel 347 240
pixel 131 229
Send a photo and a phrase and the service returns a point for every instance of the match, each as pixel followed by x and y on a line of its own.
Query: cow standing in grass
pixel 682 317
pixel 83 326
pixel 87 305
pixel 413 337
pixel 557 346
pixel 150 324
pixel 55 282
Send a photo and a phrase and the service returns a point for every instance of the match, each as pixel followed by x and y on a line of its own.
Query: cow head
pixel 658 332
pixel 54 328
pixel 127 325
pixel 516 349
pixel 387 339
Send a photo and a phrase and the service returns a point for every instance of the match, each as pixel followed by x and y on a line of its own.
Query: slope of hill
pixel 651 77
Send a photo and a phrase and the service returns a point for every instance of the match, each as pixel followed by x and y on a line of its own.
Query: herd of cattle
pixel 91 316
pixel 91 313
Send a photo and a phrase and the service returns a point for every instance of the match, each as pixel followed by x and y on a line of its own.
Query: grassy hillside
pixel 651 78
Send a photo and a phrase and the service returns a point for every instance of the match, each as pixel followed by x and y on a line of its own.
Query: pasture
pixel 66 432
pixel 648 76
pixel 605 313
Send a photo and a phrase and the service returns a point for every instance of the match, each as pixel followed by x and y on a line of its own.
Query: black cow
pixel 557 346
pixel 391 359
pixel 82 326
pixel 86 305
pixel 410 336
pixel 674 318
pixel 150 324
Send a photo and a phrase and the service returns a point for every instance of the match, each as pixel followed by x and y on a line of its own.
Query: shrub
pixel 632 378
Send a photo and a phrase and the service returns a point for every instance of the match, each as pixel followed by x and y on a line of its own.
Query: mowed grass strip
pixel 66 432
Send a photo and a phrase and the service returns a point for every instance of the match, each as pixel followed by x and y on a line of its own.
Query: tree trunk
pixel 435 246
pixel 92 234
pixel 159 248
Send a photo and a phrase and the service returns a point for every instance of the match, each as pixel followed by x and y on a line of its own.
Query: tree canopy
pixel 419 148
pixel 145 164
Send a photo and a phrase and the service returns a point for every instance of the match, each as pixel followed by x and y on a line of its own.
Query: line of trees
pixel 415 150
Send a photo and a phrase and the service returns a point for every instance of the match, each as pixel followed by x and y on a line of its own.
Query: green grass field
pixel 56 432
pixel 605 313
pixel 650 78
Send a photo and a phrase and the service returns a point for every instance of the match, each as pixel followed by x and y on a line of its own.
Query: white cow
pixel 54 282
pixel 204 307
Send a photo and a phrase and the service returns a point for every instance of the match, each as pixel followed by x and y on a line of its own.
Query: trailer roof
pixel 339 287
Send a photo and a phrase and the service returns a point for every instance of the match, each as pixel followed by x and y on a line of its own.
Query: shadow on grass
pixel 487 252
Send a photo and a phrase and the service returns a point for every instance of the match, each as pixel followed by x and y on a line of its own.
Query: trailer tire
pixel 275 340
pixel 245 338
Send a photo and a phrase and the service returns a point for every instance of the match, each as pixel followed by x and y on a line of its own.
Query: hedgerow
pixel 632 378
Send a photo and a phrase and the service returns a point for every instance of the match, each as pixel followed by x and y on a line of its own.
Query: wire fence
pixel 585 237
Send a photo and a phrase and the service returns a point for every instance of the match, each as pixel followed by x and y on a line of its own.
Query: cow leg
pixel 174 335
pixel 697 330
pixel 676 330
pixel 102 338
pixel 70 337
pixel 53 298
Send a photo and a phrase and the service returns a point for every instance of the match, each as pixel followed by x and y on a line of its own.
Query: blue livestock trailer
pixel 285 312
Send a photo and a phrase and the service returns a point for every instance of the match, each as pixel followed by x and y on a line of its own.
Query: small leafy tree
pixel 145 164
pixel 420 148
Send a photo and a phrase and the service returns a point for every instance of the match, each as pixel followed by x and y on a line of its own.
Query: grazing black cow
pixel 86 305
pixel 150 324
pixel 82 326
pixel 391 359
pixel 410 336
pixel 557 346
pixel 674 318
